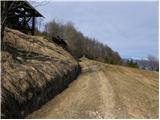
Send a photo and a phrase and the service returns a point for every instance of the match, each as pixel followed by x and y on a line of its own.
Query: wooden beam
pixel 33 25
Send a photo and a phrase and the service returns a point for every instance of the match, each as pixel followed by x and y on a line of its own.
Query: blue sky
pixel 131 28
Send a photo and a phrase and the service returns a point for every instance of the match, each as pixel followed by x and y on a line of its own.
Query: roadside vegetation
pixel 80 45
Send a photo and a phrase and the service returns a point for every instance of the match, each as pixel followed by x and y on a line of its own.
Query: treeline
pixel 150 63
pixel 80 45
pixel 132 63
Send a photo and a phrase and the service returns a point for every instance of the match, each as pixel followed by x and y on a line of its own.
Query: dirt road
pixel 105 91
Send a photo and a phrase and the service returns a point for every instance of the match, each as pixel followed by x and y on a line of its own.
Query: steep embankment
pixel 106 91
pixel 33 71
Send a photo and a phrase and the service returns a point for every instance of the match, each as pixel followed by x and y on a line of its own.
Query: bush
pixel 131 63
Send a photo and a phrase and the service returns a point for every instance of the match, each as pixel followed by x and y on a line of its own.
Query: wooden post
pixel 33 25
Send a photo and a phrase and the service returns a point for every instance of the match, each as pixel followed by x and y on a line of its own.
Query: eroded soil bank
pixel 34 70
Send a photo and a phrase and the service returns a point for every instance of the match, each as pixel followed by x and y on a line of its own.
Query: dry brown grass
pixel 106 91
pixel 33 71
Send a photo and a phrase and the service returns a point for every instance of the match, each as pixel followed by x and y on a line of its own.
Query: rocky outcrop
pixel 34 70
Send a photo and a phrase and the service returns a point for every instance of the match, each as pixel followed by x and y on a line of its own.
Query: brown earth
pixel 106 91
pixel 34 70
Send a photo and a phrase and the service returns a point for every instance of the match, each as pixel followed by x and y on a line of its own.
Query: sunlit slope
pixel 106 91
pixel 34 70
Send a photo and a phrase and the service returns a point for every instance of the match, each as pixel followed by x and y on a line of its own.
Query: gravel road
pixel 105 91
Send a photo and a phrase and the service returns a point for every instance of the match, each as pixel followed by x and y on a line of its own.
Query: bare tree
pixel 38 3
pixel 80 45
pixel 143 64
pixel 153 62
pixel 8 9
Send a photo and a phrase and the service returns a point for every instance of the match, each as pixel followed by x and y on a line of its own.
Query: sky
pixel 130 28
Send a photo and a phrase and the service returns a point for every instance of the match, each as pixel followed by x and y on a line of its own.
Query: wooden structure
pixel 21 16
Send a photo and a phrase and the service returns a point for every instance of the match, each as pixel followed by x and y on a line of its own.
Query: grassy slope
pixel 34 70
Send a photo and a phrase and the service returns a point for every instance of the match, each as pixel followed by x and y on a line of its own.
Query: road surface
pixel 105 91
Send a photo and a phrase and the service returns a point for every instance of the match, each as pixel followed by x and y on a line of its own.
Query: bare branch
pixel 37 4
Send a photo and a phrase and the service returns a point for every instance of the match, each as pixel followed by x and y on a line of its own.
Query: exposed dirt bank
pixel 33 71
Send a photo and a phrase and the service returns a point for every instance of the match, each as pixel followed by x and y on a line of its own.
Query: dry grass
pixel 106 91
pixel 33 71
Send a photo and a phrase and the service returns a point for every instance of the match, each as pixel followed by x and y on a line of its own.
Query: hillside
pixel 80 45
pixel 105 91
pixel 34 70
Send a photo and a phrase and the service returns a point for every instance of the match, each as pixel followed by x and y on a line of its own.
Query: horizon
pixel 130 28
